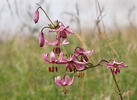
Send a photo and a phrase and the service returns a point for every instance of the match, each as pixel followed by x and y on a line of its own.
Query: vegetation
pixel 24 76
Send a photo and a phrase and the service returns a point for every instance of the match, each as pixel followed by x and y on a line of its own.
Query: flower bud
pixel 41 39
pixel 36 16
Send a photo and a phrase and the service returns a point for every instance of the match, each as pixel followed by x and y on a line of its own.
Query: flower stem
pixel 117 86
pixel 46 15
pixel 44 28
pixel 93 66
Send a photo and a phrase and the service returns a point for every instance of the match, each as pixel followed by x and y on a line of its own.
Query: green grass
pixel 24 75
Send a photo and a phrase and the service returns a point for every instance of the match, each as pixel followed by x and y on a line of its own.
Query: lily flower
pixel 63 82
pixel 55 43
pixel 71 63
pixel 115 66
pixel 79 51
pixel 52 59
pixel 65 42
pixel 62 31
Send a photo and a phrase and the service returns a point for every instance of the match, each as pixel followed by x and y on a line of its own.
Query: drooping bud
pixel 36 16
pixel 49 69
pixel 41 39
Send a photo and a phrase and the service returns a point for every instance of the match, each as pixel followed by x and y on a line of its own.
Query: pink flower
pixel 64 82
pixel 53 58
pixel 65 42
pixel 61 59
pixel 62 31
pixel 115 66
pixel 72 64
pixel 36 16
pixel 55 43
pixel 41 39
pixel 79 51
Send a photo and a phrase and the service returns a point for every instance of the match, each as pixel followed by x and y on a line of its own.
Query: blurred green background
pixel 24 74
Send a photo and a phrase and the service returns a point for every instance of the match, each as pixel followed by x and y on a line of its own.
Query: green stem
pixel 44 28
pixel 92 66
pixel 46 15
pixel 120 94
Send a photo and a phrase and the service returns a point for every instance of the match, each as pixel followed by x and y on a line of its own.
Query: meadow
pixel 24 75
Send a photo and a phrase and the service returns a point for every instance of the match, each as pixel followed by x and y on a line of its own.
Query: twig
pixel 92 66
pixel 44 28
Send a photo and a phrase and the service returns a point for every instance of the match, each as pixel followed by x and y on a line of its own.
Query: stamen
pixel 49 69
pixel 56 69
pixel 52 68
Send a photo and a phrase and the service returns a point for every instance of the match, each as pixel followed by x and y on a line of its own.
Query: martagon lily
pixel 63 82
pixel 81 52
pixel 62 31
pixel 115 66
pixel 72 64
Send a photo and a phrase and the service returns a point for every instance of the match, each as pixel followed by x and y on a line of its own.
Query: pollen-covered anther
pixel 52 68
pixel 56 68
pixel 49 69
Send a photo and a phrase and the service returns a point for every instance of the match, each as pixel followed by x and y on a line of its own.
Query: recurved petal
pixel 68 31
pixel 70 82
pixel 45 57
pixel 122 65
pixel 65 42
pixel 88 52
pixel 109 65
pixel 61 60
pixel 58 35
pixel 57 42
pixel 67 79
pixel 80 63
pixel 52 57
pixel 118 63
pixel 80 67
pixel 58 81
pixel 68 67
